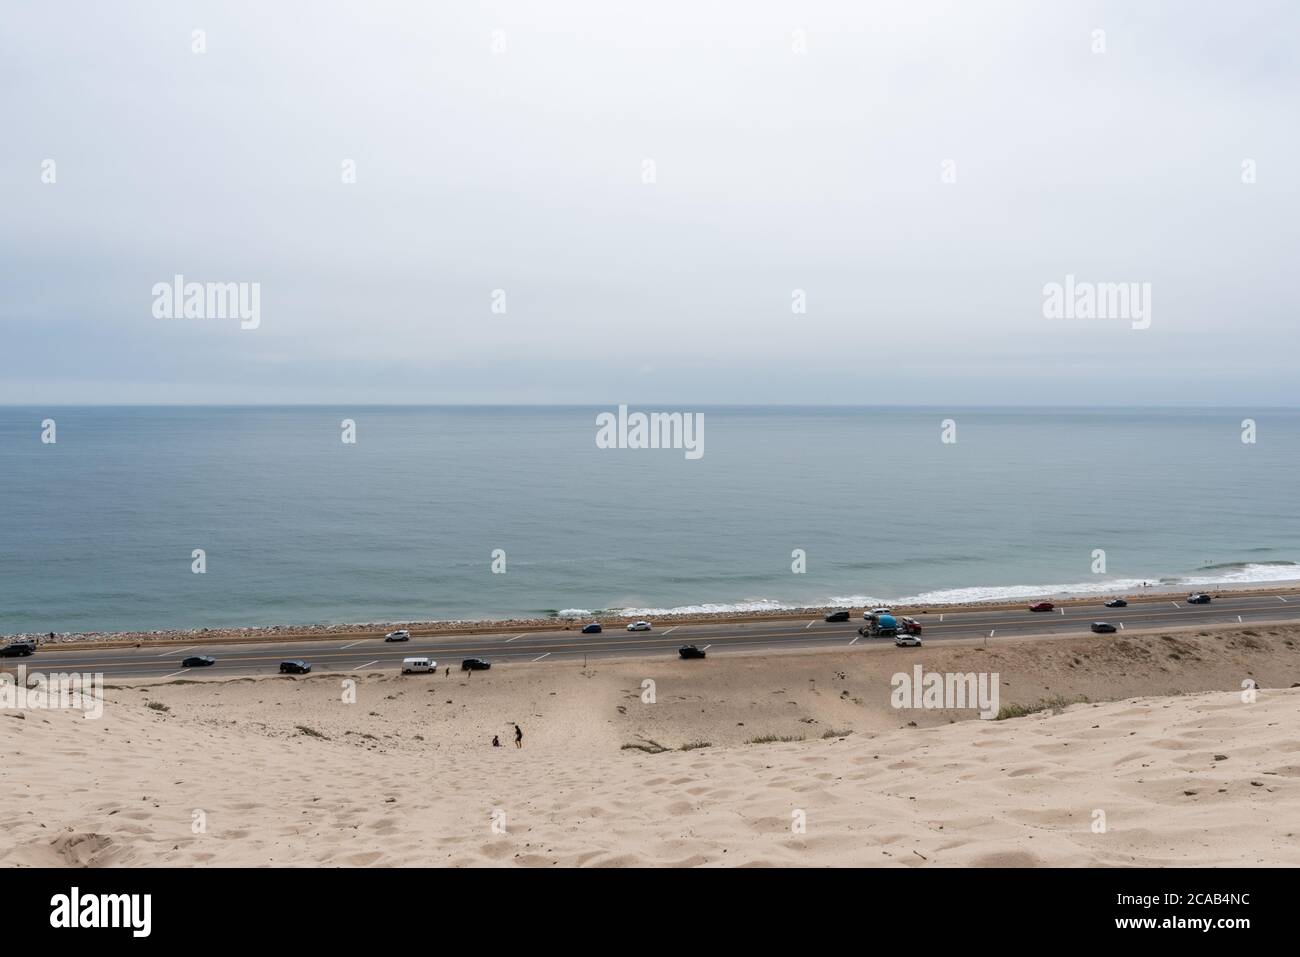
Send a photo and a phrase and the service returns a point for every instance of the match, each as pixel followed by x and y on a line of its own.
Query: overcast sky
pixel 522 169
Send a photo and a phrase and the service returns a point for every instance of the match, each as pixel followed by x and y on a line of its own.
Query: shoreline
pixel 360 630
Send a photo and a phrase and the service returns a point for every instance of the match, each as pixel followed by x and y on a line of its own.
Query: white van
pixel 418 665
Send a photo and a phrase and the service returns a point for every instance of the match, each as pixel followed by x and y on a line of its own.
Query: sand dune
pixel 283 771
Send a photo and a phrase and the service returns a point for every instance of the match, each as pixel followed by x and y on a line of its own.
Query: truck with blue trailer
pixel 879 624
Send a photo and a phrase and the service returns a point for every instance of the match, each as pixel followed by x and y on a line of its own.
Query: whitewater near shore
pixel 742 759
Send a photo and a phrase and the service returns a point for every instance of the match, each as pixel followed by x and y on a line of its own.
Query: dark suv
pixel 18 649
pixel 475 664
pixel 837 616
pixel 690 651
pixel 296 667
pixel 1199 598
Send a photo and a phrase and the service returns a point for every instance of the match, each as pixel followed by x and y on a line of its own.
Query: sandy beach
pixel 745 759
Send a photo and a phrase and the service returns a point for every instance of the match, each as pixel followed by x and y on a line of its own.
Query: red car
pixel 910 626
pixel 1042 606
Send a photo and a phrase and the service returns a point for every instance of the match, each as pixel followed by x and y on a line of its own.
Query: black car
pixel 592 629
pixel 837 616
pixel 198 661
pixel 18 649
pixel 1199 598
pixel 1103 627
pixel 1117 603
pixel 690 651
pixel 475 664
pixel 295 667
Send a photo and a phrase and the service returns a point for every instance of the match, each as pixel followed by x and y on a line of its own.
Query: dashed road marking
pixel 855 640
pixel 176 651
pixel 368 664
pixel 175 673
pixel 1238 618
pixel 540 657
pixel 672 629
pixel 706 648
pixel 508 640
pixel 810 624
pixel 346 647
pixel 991 630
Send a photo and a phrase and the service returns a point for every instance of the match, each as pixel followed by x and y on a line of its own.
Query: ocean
pixel 98 530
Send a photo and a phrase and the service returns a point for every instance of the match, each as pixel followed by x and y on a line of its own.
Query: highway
pixel 353 655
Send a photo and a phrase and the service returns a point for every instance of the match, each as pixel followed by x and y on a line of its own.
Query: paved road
pixel 371 654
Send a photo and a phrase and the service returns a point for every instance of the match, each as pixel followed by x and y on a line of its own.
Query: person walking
pixel 496 741
pixel 519 737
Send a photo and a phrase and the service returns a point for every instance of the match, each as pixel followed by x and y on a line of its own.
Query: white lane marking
pixel 1175 604
pixel 706 647
pixel 175 673
pixel 941 617
pixel 176 651
pixel 991 630
pixel 672 629
pixel 508 640
pixel 855 640
pixel 540 657
pixel 1062 612
pixel 1279 598
pixel 368 664
pixel 346 647
pixel 1121 626
pixel 810 624
pixel 1238 619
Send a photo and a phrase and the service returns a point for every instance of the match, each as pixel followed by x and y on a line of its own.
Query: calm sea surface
pixel 97 530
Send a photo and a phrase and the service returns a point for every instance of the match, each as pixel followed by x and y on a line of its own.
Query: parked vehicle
pixel 198 661
pixel 690 651
pixel 639 626
pixel 418 665
pixel 592 629
pixel 1103 627
pixel 1117 603
pixel 399 635
pixel 837 616
pixel 18 649
pixel 907 641
pixel 1042 606
pixel 295 667
pixel 475 664
pixel 1198 598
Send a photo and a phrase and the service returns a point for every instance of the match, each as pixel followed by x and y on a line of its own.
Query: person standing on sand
pixel 519 737
pixel 496 741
